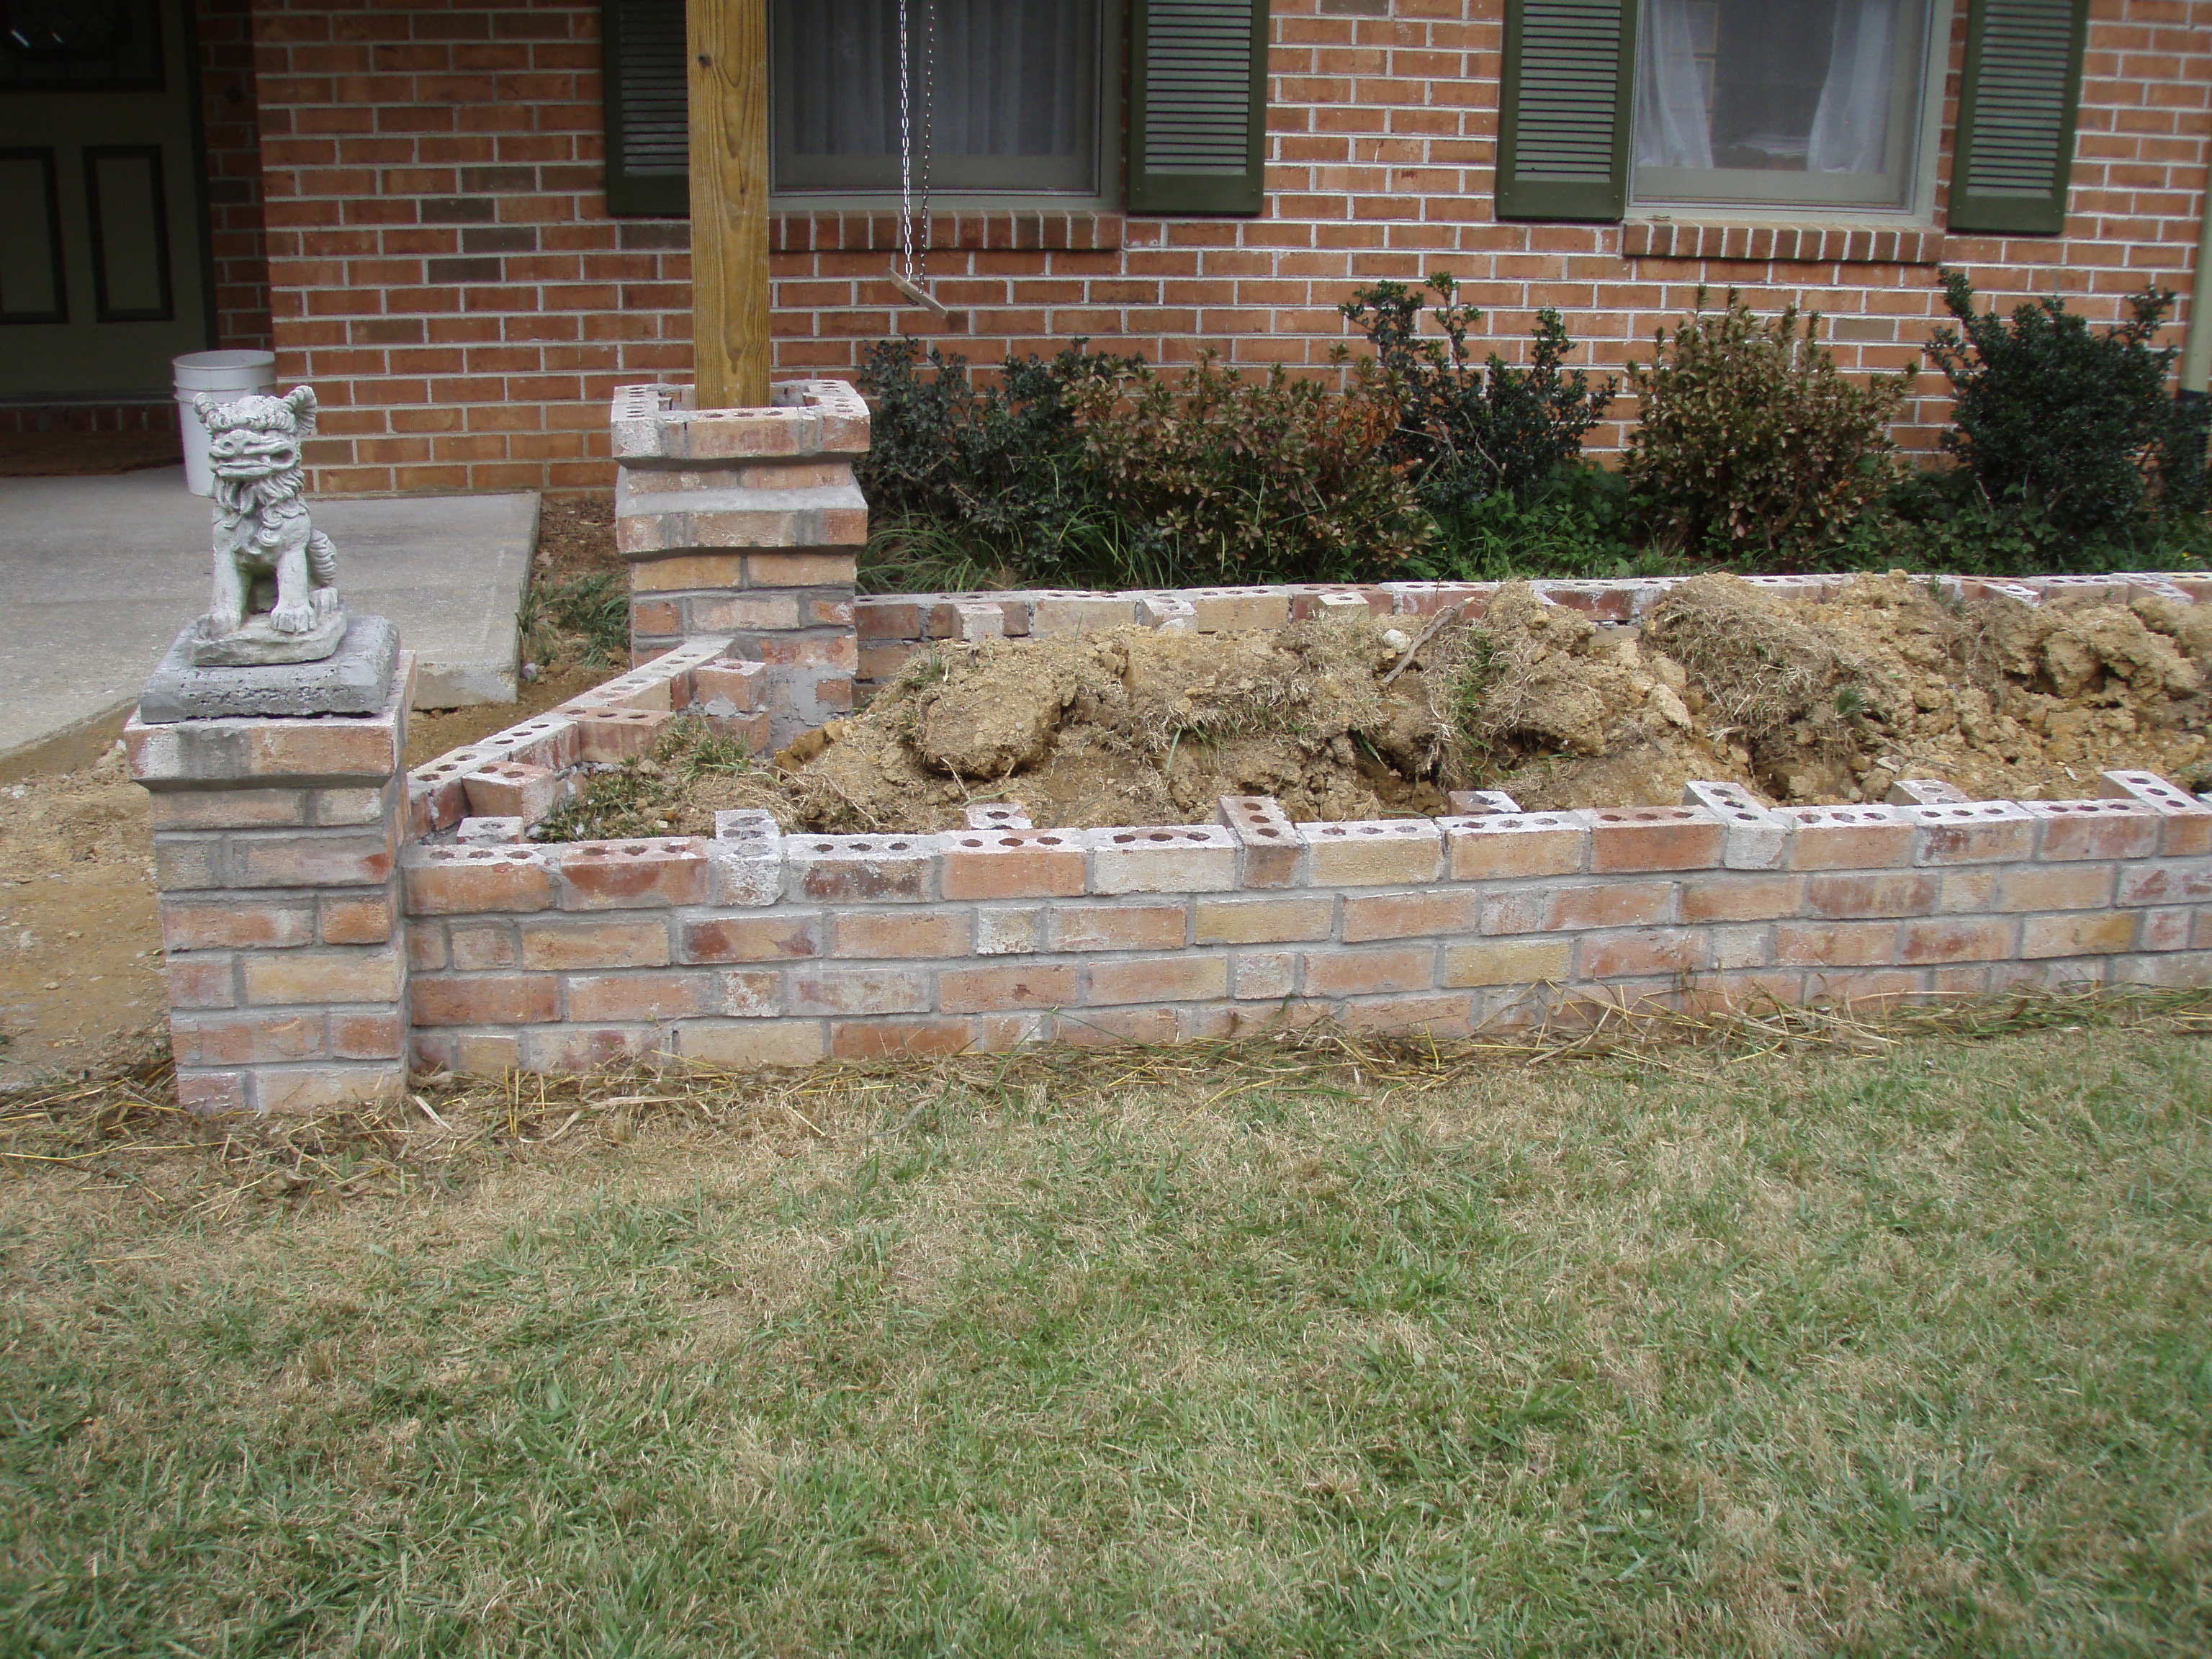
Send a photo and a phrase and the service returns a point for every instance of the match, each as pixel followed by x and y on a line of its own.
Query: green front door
pixel 102 276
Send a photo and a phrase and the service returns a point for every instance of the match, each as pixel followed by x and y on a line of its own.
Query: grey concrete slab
pixel 97 575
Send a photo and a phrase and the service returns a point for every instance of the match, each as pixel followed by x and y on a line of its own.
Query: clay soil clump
pixel 1802 702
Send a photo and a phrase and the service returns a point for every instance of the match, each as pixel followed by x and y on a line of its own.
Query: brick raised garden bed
pixel 757 947
pixel 329 921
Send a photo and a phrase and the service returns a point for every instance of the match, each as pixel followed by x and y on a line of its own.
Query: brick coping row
pixel 1024 612
pixel 524 771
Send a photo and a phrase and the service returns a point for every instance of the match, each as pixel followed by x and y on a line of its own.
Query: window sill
pixel 1677 239
pixel 828 231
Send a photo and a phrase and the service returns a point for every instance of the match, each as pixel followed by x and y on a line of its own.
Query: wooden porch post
pixel 728 42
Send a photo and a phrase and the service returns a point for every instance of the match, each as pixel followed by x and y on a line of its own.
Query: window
pixel 1792 106
pixel 1003 93
pixel 1016 100
pixel 1769 103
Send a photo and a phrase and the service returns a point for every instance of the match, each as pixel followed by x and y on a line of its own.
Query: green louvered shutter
pixel 2016 112
pixel 1564 104
pixel 648 107
pixel 1198 105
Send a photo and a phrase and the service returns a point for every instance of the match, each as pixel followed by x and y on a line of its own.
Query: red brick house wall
pixel 443 269
pixel 230 128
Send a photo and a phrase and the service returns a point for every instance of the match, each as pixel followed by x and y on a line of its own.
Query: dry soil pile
pixel 1803 702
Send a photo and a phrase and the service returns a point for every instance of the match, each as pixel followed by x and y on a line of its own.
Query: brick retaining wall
pixel 757 947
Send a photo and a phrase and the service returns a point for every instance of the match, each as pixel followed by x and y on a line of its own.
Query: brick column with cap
pixel 276 850
pixel 746 522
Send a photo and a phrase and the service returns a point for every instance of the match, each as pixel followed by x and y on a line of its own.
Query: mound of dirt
pixel 1802 702
pixel 1127 727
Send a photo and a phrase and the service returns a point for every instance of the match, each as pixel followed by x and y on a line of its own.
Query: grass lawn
pixel 1895 1346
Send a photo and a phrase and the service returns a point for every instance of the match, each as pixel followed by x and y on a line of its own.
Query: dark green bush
pixel 2074 427
pixel 1472 433
pixel 1005 463
pixel 1749 436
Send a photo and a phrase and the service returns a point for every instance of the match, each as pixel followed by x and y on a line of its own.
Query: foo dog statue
pixel 276 575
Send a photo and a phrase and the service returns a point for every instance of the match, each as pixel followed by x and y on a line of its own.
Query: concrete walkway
pixel 98 575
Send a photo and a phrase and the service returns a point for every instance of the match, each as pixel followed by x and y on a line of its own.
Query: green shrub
pixel 1573 526
pixel 1004 463
pixel 1243 481
pixel 1750 436
pixel 1472 434
pixel 2072 426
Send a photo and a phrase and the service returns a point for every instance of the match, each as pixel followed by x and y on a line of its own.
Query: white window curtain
pixel 1851 126
pixel 1673 127
pixel 1013 95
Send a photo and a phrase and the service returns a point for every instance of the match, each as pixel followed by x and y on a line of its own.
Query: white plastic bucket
pixel 225 375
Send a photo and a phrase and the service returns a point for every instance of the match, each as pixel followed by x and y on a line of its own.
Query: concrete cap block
pixel 1924 792
pixel 1756 838
pixel 1270 843
pixel 490 832
pixel 355 678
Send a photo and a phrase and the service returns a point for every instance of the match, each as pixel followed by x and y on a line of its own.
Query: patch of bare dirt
pixel 80 935
pixel 1802 702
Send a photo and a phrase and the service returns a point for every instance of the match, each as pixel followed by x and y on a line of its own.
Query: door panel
pixel 102 273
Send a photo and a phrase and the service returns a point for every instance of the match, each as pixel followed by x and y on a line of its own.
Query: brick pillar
pixel 275 848
pixel 747 523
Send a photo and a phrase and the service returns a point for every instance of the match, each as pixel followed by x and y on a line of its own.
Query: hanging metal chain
pixel 906 147
pixel 915 269
pixel 928 130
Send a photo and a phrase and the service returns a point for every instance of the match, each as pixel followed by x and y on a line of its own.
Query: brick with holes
pixel 1372 852
pixel 2095 828
pixel 2187 830
pixel 512 789
pixel 659 871
pixel 862 869
pixel 1628 838
pixel 1271 844
pixel 1191 858
pixel 1496 846
pixel 1847 837
pixel 1000 864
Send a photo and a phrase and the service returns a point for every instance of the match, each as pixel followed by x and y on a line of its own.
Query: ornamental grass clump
pixel 1749 436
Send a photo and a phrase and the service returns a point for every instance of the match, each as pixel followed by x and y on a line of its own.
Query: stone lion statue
pixel 276 575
